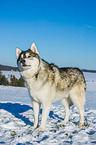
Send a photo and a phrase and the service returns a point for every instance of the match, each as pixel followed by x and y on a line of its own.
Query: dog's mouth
pixel 24 65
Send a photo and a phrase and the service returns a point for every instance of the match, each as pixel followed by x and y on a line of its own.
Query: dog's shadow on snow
pixel 17 109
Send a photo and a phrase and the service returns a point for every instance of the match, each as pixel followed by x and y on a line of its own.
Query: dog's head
pixel 28 61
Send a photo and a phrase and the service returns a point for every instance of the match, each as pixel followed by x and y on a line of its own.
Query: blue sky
pixel 64 31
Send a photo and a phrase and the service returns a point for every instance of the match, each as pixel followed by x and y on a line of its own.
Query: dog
pixel 47 83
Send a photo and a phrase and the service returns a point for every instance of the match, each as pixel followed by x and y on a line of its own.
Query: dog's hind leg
pixel 65 103
pixel 81 111
pixel 77 95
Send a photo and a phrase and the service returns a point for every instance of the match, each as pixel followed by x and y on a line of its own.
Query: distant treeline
pixel 91 71
pixel 10 68
pixel 13 81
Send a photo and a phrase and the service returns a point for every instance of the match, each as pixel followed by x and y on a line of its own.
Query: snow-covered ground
pixel 16 119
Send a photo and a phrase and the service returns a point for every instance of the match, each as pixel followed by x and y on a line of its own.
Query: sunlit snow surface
pixel 16 119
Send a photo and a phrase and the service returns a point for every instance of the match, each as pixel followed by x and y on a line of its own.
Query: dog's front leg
pixel 46 109
pixel 36 109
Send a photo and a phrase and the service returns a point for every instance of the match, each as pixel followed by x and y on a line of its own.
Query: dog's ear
pixel 34 48
pixel 18 51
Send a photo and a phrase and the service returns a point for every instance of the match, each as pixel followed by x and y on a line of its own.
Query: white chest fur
pixel 42 93
pixel 37 91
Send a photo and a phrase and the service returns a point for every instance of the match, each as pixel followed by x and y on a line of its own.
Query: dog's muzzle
pixel 23 62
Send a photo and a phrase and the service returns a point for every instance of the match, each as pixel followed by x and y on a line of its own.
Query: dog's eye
pixel 29 56
pixel 34 55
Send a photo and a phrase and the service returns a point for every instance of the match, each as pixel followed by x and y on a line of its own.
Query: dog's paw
pixel 33 127
pixel 40 129
pixel 81 124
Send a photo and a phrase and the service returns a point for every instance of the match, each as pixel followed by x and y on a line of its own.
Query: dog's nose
pixel 23 61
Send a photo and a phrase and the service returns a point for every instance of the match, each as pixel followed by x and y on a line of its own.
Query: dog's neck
pixel 36 75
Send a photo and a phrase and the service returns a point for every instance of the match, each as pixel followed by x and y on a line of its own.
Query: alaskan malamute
pixel 47 83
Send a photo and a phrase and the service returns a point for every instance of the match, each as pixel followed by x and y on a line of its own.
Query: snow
pixel 90 77
pixel 16 119
pixel 9 73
